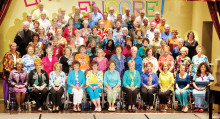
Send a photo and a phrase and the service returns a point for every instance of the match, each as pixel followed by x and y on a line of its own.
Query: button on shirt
pixel 45 23
pixel 112 78
pixel 96 17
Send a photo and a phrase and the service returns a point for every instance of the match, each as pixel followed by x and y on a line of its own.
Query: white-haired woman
pixel 183 58
pixel 122 40
pixel 18 79
pixel 176 50
pixel 85 31
pixel 155 43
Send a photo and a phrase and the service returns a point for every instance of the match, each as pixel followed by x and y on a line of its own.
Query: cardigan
pixel 71 80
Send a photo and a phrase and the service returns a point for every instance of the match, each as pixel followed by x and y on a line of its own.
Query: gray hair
pixel 134 48
pixel 20 61
pixel 179 40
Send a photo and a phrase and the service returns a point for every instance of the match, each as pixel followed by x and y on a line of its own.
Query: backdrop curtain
pixel 4 5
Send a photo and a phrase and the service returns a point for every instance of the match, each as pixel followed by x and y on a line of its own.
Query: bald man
pixel 140 18
pixel 37 13
pixel 81 18
pixel 126 17
pixel 112 16
pixel 29 19
pixel 44 22
pixel 157 18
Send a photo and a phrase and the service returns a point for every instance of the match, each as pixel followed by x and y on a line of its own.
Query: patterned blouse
pixel 8 63
pixel 120 64
pixel 169 59
pixel 39 49
pixel 196 61
pixel 84 61
pixel 29 62
pixel 57 80
pixel 97 39
pixel 102 34
pixel 90 77
pixel 153 60
pixel 179 60
pixel 44 40
pixel 85 32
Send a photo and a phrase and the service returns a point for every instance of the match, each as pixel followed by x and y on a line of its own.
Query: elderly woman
pixel 127 49
pixel 37 45
pixel 160 51
pixel 54 28
pixel 112 83
pixel 202 78
pixel 152 59
pixel 92 50
pixel 138 38
pixel 42 35
pixel 166 58
pixel 119 59
pixel 197 59
pixel 85 31
pixel 155 43
pixel 182 59
pixel 94 84
pixel 29 59
pixel 38 80
pixel 142 50
pixel 61 22
pixel 61 40
pixel 172 42
pixel 149 84
pixel 102 31
pixel 122 40
pixel 75 82
pixel 66 60
pixel 57 49
pixel 176 50
pixel 49 60
pixel 18 79
pixel 76 23
pixel 109 37
pixel 102 60
pixel 79 40
pixel 182 86
pixel 57 85
pixel 131 84
pixel 109 49
pixel 191 44
pixel 136 58
pixel 94 35
pixel 36 27
pixel 166 82
pixel 69 30
pixel 83 58
pixel 9 63
pixel 72 45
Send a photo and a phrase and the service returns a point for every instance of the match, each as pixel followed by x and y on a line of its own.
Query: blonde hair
pixel 41 27
pixel 12 43
pixel 197 47
pixel 165 64
pixel 38 61
pixel 65 48
pixel 57 64
pixel 131 62
pixel 20 61
pixel 49 49
pixel 184 49
pixel 77 31
pixel 103 53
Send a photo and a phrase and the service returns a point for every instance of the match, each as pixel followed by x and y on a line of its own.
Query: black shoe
pixel 129 110
pixel 134 110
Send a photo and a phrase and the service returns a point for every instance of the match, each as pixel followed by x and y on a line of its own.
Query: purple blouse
pixel 16 78
pixel 120 64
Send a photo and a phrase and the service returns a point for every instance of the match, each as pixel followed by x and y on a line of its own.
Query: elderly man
pixel 37 13
pixel 130 23
pixel 117 32
pixel 95 15
pixel 176 50
pixel 161 25
pixel 23 37
pixel 44 22
pixel 112 16
pixel 150 33
pixel 145 27
pixel 140 18
pixel 136 58
pixel 81 18
pixel 167 34
pixel 126 17
pixel 29 19
pixel 157 18
pixel 65 17
pixel 107 23
pixel 131 32
pixel 119 18
pixel 91 21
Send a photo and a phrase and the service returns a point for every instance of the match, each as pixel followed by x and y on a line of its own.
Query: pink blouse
pixel 48 65
pixel 153 60
pixel 103 65
pixel 126 52
pixel 169 59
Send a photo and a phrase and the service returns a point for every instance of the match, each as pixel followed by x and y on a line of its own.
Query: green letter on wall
pixel 150 8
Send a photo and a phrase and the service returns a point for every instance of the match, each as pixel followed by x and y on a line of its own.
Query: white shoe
pixel 113 109
pixel 19 109
pixel 99 109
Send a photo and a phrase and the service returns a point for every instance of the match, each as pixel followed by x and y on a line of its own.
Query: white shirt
pixel 126 18
pixel 150 35
pixel 31 26
pixel 66 18
pixel 45 23
pixel 112 17
pixel 36 14
pixel 80 41
pixel 140 20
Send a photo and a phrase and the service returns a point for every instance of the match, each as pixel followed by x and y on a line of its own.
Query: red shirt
pixel 68 32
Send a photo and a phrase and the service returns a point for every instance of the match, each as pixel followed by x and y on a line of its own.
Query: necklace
pixel 132 77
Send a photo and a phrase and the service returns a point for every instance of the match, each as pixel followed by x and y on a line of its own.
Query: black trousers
pixel 132 95
pixel 56 96
pixel 163 96
pixel 148 96
pixel 40 96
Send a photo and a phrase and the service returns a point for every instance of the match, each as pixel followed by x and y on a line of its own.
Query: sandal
pixel 79 110
pixel 39 109
pixel 75 110
pixel 201 110
pixel 196 110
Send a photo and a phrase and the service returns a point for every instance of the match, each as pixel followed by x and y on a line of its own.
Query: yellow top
pixel 166 79
pixel 107 23
pixel 161 28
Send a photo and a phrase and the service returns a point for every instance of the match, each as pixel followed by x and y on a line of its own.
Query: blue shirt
pixel 182 82
pixel 112 78
pixel 127 79
pixel 71 80
pixel 96 17
pixel 165 36
pixel 175 52
pixel 138 63
pixel 144 79
pixel 91 23
pixel 78 25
